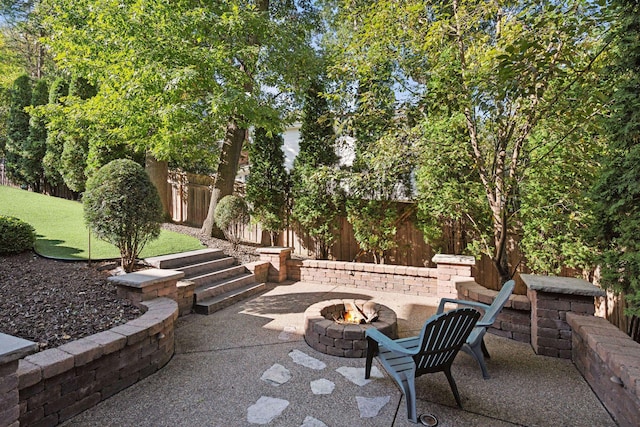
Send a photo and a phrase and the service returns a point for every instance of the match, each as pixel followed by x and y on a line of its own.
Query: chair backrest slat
pixel 442 337
pixel 499 301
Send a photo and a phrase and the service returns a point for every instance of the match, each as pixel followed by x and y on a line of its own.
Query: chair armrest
pixel 474 304
pixel 387 342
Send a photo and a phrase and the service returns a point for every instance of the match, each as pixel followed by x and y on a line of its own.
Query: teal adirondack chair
pixel 475 343
pixel 433 350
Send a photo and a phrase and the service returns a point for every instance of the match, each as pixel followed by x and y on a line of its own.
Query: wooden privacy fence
pixel 190 196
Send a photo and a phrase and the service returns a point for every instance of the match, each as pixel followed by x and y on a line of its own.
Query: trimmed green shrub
pixel 231 215
pixel 15 235
pixel 122 207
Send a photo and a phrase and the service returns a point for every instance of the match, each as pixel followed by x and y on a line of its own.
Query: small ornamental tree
pixel 18 129
pixel 122 207
pixel 231 215
pixel 268 182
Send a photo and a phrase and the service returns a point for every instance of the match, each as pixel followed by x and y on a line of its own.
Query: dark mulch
pixel 53 302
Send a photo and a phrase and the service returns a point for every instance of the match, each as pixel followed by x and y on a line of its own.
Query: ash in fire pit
pixel 338 327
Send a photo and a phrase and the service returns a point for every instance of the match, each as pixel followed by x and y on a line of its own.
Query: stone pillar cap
pixel 14 348
pixel 561 285
pixel 454 259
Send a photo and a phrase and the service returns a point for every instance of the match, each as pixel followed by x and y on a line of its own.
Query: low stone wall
pixel 610 362
pixel 58 383
pixel 513 322
pixel 435 282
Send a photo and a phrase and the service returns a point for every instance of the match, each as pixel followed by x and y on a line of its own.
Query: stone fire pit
pixel 328 336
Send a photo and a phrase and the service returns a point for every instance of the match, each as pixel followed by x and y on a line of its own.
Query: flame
pixel 348 317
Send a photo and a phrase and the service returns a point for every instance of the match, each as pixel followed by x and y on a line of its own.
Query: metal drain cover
pixel 428 420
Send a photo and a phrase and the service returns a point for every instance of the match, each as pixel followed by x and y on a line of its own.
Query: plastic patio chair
pixel 433 350
pixel 475 345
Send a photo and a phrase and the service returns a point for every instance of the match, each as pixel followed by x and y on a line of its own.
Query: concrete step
pixel 202 268
pixel 185 258
pixel 213 304
pixel 228 284
pixel 218 275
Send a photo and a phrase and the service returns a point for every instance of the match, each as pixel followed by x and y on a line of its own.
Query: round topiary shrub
pixel 122 207
pixel 15 235
pixel 231 215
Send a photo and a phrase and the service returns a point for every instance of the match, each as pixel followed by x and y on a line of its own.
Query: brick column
pixel 450 269
pixel 277 257
pixel 551 299
pixel 12 349
pixel 149 284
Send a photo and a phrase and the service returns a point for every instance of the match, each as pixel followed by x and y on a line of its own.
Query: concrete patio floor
pixel 249 365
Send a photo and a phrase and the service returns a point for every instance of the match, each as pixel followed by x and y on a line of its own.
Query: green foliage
pixel 268 182
pixel 15 235
pixel 318 202
pixel 617 192
pixel 317 199
pixel 122 207
pixel 18 130
pixel 371 206
pixel 35 148
pixel 231 215
pixel 496 68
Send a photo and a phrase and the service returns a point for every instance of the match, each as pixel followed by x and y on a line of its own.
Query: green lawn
pixel 62 233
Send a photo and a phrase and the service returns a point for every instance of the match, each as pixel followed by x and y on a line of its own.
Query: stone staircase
pixel 219 280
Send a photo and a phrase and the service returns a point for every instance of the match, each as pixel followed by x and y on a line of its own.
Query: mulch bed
pixel 54 302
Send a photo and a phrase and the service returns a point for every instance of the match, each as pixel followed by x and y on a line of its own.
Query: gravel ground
pixel 53 302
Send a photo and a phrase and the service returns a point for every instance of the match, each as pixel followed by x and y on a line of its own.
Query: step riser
pixel 185 259
pixel 219 305
pixel 206 267
pixel 217 276
pixel 221 288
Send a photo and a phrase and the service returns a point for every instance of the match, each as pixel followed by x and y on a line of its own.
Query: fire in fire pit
pixel 365 312
pixel 329 329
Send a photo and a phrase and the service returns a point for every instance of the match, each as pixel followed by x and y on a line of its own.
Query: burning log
pixel 366 313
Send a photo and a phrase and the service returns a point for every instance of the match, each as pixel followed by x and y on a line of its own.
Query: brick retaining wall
pixel 58 383
pixel 513 322
pixel 610 362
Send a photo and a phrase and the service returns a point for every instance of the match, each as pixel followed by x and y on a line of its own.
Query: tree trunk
pixel 159 174
pixel 226 174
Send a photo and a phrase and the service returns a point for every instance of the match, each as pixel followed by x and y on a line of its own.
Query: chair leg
pixel 484 350
pixel 476 353
pixel 453 386
pixel 409 388
pixel 372 350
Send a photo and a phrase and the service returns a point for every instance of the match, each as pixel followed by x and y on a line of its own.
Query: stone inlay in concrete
pixel 288 333
pixel 356 375
pixel 370 406
pixel 307 361
pixel 266 409
pixel 276 375
pixel 322 386
pixel 312 422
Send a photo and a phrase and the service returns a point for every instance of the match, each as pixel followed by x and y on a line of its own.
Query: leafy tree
pixel 316 194
pixel 372 207
pixel 35 147
pixel 500 67
pixel 18 130
pixel 176 78
pixel 122 207
pixel 617 191
pixel 55 143
pixel 267 183
pixel 232 214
